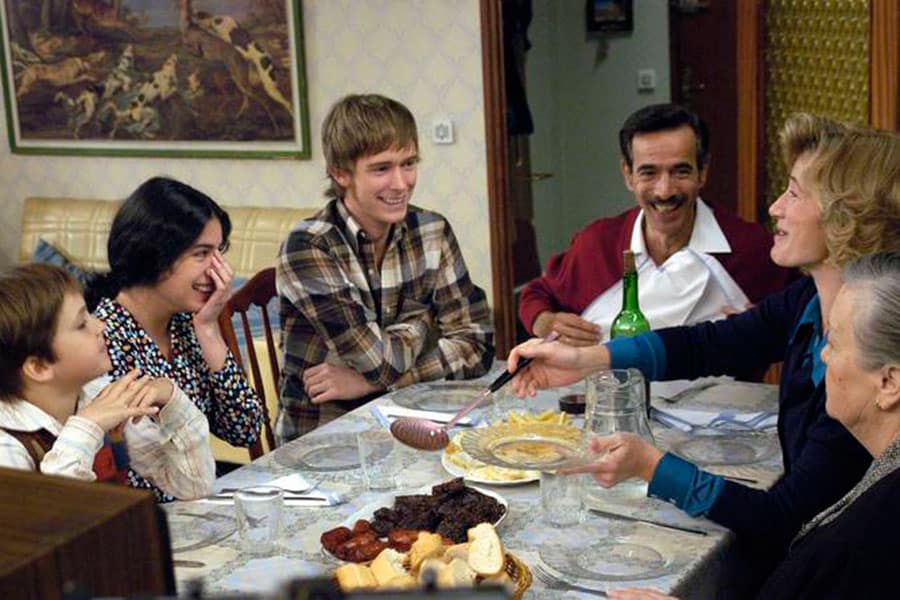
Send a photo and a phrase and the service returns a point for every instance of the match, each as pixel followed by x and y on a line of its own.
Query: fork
pixel 727 417
pixel 554 583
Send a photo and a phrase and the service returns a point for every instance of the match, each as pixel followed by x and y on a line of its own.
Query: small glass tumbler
pixel 562 498
pixel 379 457
pixel 260 517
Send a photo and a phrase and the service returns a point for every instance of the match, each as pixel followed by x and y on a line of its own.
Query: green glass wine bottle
pixel 630 320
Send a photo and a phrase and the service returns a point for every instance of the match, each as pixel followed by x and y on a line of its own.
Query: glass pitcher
pixel 616 400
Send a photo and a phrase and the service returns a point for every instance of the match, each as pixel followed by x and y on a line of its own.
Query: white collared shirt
pixel 171 449
pixel 691 286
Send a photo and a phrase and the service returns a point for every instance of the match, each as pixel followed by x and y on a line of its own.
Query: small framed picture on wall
pixel 608 15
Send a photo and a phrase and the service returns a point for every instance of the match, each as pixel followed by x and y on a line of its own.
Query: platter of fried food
pixel 527 443
pixel 448 509
pixel 460 463
pixel 481 560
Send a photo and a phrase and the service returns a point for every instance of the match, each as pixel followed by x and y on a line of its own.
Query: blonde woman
pixel 842 202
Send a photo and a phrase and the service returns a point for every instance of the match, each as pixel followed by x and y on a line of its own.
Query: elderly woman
pixel 161 300
pixel 847 550
pixel 842 201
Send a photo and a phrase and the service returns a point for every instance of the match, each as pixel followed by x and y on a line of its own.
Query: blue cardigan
pixel 822 461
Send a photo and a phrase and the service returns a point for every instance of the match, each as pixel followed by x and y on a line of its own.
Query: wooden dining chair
pixel 255 294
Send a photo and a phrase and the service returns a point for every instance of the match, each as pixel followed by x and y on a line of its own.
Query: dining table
pixel 689 563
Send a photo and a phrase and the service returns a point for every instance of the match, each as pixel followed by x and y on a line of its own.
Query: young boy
pixel 375 293
pixel 50 420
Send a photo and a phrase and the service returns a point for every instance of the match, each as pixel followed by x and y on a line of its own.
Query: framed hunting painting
pixel 192 78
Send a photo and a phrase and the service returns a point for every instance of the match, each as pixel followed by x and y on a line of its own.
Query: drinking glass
pixel 616 400
pixel 562 499
pixel 260 520
pixel 379 456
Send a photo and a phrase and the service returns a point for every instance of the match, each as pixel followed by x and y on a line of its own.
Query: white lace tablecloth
pixel 223 567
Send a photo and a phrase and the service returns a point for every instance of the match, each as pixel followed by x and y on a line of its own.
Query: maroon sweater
pixel 593 263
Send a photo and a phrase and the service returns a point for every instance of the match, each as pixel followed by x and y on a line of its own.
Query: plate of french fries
pixel 460 463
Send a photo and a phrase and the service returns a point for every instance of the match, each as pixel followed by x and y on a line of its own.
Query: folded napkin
pixel 689 419
pixel 391 413
pixel 294 486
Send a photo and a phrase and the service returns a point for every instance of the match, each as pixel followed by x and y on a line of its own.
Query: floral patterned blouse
pixel 226 398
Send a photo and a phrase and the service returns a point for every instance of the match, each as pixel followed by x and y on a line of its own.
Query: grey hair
pixel 877 324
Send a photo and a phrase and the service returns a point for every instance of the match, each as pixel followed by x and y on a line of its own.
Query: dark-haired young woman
pixel 167 284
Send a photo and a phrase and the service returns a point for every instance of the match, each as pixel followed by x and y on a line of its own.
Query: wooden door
pixel 704 79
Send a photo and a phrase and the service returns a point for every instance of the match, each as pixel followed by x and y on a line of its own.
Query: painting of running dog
pixel 203 78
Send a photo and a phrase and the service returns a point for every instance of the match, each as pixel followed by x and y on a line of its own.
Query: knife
pixel 287 496
pixel 621 517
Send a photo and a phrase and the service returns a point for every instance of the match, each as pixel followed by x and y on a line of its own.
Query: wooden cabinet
pixel 105 539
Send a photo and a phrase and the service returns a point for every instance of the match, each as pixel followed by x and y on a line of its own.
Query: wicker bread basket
pixel 517 570
pixel 519 573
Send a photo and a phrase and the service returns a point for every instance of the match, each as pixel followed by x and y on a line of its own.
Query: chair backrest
pixel 254 295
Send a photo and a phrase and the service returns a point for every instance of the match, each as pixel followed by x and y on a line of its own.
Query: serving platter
pixel 459 463
pixel 386 499
pixel 538 446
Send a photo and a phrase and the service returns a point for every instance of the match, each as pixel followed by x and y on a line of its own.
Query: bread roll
pixel 501 579
pixel 355 577
pixel 456 574
pixel 435 565
pixel 388 565
pixel 400 582
pixel 456 551
pixel 427 545
pixel 486 554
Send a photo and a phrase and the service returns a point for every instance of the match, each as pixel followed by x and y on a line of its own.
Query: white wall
pixel 425 53
pixel 580 91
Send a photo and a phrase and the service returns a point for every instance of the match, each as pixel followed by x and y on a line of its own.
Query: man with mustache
pixel 375 293
pixel 695 261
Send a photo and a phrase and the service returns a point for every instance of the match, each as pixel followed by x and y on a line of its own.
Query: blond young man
pixel 375 293
pixel 58 418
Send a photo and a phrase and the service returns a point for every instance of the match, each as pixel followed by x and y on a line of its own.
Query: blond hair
pixel 360 125
pixel 855 172
pixel 859 190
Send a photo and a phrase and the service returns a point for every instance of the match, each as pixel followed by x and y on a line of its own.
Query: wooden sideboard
pixel 57 533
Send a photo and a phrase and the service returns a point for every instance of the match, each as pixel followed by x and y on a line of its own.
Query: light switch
pixel 442 130
pixel 646 80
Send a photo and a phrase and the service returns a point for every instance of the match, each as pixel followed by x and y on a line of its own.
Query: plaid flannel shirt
pixel 417 319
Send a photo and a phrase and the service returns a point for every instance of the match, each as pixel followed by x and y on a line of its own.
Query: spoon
pixel 423 434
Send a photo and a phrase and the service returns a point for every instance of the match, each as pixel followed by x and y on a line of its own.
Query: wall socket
pixel 442 130
pixel 646 80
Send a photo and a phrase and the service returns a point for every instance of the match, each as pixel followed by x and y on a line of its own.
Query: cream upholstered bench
pixel 79 228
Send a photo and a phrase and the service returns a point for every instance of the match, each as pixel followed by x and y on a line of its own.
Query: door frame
pixel 496 152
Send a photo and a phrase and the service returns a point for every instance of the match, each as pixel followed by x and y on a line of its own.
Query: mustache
pixel 672 198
